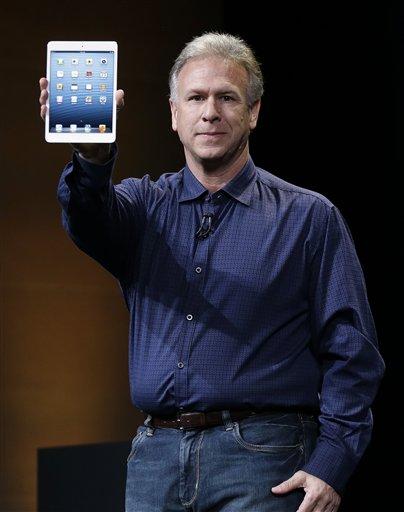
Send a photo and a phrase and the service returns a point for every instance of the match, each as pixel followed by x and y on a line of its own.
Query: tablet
pixel 81 105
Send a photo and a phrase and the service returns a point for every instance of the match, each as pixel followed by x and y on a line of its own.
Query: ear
pixel 174 113
pixel 254 112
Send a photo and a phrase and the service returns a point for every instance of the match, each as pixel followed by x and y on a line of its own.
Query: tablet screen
pixel 81 91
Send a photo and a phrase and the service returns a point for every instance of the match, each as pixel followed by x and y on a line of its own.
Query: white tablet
pixel 81 105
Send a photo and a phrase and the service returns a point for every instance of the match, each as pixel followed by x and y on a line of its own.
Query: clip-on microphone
pixel 205 227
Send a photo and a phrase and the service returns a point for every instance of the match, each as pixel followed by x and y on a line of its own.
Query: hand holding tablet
pixel 79 97
pixel 96 152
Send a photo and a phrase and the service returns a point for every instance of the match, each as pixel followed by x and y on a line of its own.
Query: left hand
pixel 320 497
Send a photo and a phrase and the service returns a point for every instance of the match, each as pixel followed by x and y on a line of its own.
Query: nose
pixel 211 112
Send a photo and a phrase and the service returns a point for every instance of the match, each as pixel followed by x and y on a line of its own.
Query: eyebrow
pixel 224 91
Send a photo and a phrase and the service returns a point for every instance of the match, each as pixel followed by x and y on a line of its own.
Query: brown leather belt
pixel 188 420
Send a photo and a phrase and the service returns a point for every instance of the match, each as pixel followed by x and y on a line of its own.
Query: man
pixel 253 351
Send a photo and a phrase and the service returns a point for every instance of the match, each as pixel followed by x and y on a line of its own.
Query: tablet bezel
pixel 82 46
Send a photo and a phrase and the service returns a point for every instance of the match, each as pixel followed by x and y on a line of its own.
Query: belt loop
pixel 227 419
pixel 147 423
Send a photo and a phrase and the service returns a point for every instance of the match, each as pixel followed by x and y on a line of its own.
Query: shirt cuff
pixel 94 175
pixel 331 464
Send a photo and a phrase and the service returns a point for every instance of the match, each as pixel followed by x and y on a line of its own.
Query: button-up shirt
pixel 268 310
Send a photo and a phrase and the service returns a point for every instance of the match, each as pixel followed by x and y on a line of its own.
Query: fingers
pixel 320 497
pixel 313 506
pixel 295 481
pixel 119 96
pixel 43 96
pixel 311 503
pixel 43 83
pixel 43 112
pixel 308 504
pixel 332 507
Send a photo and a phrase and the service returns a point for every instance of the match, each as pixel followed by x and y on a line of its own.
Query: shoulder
pixel 300 200
pixel 150 188
pixel 281 186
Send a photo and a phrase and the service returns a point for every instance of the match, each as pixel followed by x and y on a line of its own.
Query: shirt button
pixel 189 317
pixel 180 365
pixel 198 269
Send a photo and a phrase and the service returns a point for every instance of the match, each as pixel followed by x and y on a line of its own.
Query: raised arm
pixel 103 220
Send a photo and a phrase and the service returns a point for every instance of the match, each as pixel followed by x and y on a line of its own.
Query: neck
pixel 214 175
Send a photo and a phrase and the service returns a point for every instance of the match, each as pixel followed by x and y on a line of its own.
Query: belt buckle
pixel 191 420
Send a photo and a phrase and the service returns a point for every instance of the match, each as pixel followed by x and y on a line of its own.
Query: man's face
pixel 211 113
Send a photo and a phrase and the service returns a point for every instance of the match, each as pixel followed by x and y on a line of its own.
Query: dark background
pixel 330 122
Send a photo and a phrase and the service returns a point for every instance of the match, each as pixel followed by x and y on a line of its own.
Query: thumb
pixel 297 480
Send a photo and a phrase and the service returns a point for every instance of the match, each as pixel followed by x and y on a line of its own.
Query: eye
pixel 226 98
pixel 196 97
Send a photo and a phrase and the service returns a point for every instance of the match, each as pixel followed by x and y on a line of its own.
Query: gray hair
pixel 225 46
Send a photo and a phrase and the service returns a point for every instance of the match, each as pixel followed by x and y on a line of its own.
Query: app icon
pixel 103 87
pixel 74 87
pixel 75 74
pixel 87 128
pixel 75 62
pixel 104 61
pixel 59 127
pixel 59 61
pixel 102 128
pixel 59 99
pixel 89 74
pixel 89 99
pixel 89 62
pixel 103 99
pixel 73 99
pixel 59 86
pixel 89 87
pixel 103 74
pixel 60 74
pixel 73 127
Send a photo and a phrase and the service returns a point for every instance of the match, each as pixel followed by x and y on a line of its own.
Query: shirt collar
pixel 240 187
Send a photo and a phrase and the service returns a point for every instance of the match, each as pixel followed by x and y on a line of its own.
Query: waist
pixel 199 419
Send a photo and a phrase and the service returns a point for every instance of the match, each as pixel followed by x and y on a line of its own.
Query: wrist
pixel 99 157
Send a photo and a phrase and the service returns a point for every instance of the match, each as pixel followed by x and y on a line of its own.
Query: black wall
pixel 330 122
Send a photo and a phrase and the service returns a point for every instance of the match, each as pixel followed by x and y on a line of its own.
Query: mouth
pixel 211 134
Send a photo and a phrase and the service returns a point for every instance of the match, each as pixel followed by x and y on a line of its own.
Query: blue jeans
pixel 227 468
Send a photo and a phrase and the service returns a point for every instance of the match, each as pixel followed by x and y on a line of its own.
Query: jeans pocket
pixel 136 441
pixel 270 438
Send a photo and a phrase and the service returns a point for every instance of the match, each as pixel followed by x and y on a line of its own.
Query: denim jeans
pixel 227 468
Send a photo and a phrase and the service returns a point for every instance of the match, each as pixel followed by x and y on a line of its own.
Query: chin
pixel 210 154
